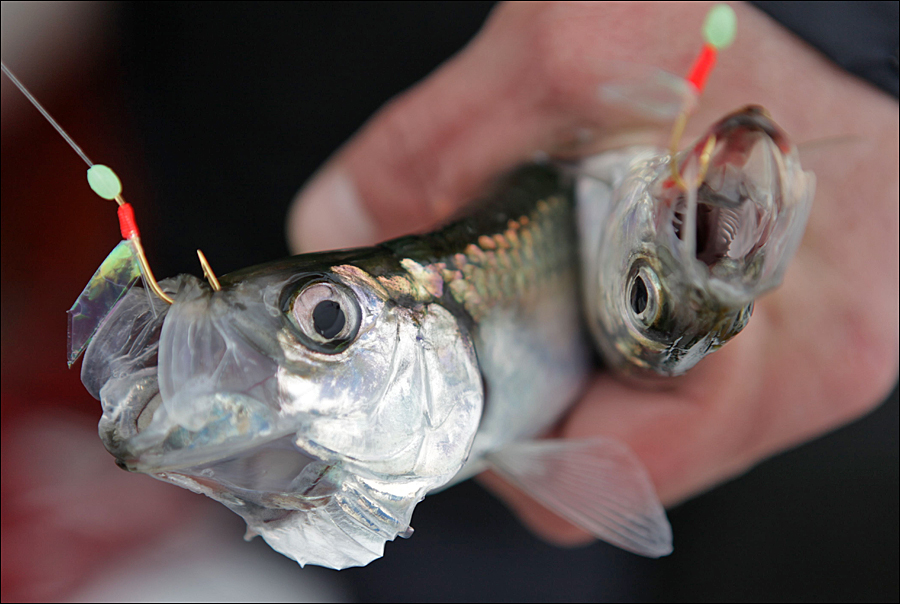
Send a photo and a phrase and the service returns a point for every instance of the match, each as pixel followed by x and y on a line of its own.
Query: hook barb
pixel 208 272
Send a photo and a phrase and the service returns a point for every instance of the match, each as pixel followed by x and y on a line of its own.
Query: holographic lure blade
pixel 112 280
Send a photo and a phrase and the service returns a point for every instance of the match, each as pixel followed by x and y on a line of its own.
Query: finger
pixel 541 521
pixel 690 433
pixel 523 85
pixel 752 399
pixel 420 156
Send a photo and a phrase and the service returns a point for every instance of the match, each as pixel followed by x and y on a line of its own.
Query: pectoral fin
pixel 597 484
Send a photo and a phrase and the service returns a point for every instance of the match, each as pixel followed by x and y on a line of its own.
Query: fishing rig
pixel 719 29
pixel 123 266
pixel 128 262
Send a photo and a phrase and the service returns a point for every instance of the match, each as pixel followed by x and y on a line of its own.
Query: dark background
pixel 219 115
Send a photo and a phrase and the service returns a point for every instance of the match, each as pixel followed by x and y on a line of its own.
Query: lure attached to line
pixel 116 275
pixel 120 270
pixel 688 240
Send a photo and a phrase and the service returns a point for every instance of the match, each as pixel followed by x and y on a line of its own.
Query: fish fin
pixel 597 484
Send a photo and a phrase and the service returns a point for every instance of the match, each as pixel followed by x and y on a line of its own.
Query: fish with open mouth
pixel 672 272
pixel 322 396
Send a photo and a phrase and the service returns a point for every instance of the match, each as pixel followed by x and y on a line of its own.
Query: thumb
pixel 515 90
pixel 419 157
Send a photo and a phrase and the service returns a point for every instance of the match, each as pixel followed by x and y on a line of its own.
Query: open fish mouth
pixel 215 394
pixel 194 428
pixel 737 230
pixel 235 451
pixel 690 241
pixel 120 369
pixel 147 439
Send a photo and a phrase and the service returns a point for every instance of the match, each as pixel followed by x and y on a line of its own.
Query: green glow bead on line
pixel 104 181
pixel 720 26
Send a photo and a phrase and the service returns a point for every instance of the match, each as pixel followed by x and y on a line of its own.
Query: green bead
pixel 720 26
pixel 104 181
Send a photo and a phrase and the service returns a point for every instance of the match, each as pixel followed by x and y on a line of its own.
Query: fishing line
pixel 123 266
pixel 43 111
pixel 105 183
pixel 719 29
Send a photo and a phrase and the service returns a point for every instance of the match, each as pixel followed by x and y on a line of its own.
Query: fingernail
pixel 328 214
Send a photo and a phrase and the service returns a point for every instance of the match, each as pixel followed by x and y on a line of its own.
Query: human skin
pixel 819 351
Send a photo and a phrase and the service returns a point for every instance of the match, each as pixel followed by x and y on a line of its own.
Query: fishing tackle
pixel 718 32
pixel 122 267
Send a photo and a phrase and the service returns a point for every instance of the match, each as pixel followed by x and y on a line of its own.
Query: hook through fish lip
pixel 747 169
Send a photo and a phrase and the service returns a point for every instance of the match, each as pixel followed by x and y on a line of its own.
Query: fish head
pixel 318 398
pixel 690 245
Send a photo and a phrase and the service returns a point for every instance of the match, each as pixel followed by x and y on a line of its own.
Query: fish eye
pixel 326 314
pixel 643 295
pixel 638 295
pixel 328 319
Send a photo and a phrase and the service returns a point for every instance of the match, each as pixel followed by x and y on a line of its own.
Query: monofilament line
pixel 43 111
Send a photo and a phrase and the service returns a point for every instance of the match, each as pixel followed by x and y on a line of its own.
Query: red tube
pixel 704 63
pixel 127 224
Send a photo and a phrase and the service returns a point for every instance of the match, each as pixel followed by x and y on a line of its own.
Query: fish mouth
pixel 159 421
pixel 738 227
pixel 235 454
pixel 124 418
pixel 146 438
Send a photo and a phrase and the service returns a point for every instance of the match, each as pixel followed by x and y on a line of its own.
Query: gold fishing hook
pixel 146 271
pixel 208 272
pixel 148 274
pixel 677 131
pixel 704 159
pixel 107 180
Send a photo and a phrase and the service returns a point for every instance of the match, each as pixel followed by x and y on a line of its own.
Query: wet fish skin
pixel 671 275
pixel 463 341
pixel 451 350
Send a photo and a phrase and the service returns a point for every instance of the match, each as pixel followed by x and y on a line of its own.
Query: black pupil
pixel 638 296
pixel 328 319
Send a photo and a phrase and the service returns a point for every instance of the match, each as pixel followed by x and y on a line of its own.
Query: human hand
pixel 819 351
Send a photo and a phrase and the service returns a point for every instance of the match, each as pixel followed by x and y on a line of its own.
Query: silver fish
pixel 672 273
pixel 321 397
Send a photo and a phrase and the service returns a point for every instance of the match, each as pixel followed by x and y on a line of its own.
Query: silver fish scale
pixel 519 285
pixel 515 266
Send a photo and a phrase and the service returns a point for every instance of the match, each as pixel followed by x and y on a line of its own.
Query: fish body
pixel 321 397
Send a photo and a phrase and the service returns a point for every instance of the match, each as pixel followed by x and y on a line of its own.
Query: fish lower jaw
pixel 149 434
pixel 155 459
pixel 126 416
